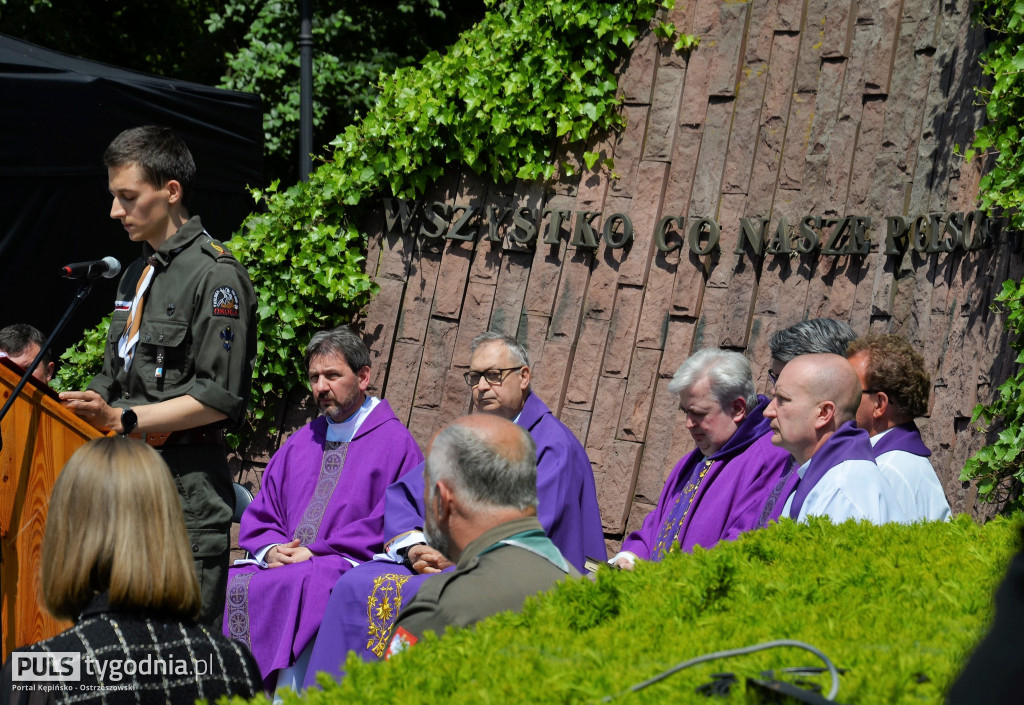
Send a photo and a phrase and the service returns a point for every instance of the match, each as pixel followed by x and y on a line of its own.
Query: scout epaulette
pixel 216 249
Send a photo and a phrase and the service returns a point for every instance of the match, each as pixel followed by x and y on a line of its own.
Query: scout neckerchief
pixel 130 335
pixel 537 542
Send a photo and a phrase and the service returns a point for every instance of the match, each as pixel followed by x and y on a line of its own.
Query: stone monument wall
pixel 828 126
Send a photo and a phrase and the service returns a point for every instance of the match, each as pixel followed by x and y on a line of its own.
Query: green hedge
pixel 898 606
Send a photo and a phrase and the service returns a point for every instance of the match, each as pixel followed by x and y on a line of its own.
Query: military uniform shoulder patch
pixel 217 250
pixel 401 641
pixel 225 302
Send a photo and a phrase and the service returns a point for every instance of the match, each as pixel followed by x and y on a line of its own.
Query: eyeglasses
pixel 773 377
pixel 493 377
pixel 871 391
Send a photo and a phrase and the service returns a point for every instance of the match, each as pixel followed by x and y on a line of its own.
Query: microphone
pixel 108 267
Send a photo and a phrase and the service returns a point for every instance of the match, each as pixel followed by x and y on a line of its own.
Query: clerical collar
pixel 343 431
pixel 878 436
pixel 802 470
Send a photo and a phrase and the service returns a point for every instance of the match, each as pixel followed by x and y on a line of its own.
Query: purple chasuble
pixel 705 502
pixel 366 600
pixel 847 443
pixel 330 496
pixel 904 437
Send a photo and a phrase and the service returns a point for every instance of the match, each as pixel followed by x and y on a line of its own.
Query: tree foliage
pixel 252 46
pixel 163 38
pixel 999 466
pixel 353 42
pixel 531 75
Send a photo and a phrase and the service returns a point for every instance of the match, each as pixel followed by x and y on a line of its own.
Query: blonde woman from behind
pixel 117 561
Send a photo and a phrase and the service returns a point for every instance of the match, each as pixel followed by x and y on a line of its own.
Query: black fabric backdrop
pixel 58 114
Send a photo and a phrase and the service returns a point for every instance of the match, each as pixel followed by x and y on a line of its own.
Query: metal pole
pixel 306 91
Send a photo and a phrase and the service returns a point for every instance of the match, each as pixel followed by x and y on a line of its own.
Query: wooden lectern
pixel 39 435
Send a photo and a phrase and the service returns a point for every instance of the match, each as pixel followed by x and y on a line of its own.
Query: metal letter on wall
pixel 896 230
pixel 661 233
pixel 781 242
pixel 555 226
pixel 609 230
pixel 752 230
pixel 583 234
pixel 528 227
pixel 460 230
pixel 698 229
pixel 438 215
pixel 494 221
pixel 403 215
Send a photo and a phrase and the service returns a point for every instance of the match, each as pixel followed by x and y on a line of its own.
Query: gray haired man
pixel 481 512
pixel 717 491
pixel 818 335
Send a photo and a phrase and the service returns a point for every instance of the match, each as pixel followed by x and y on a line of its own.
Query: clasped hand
pixel 285 553
pixel 425 559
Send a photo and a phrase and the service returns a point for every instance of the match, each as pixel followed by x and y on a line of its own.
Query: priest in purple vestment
pixel 895 392
pixel 812 416
pixel 716 491
pixel 367 599
pixel 320 510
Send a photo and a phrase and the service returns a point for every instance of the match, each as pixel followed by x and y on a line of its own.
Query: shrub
pixel 899 607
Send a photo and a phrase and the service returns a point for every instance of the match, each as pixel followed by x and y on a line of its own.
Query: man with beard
pixel 481 514
pixel 361 613
pixel 319 512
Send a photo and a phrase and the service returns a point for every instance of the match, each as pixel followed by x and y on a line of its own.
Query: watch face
pixel 128 421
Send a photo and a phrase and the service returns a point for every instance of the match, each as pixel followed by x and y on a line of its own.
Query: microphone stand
pixel 83 291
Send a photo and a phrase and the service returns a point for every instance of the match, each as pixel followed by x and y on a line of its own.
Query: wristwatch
pixel 128 421
pixel 403 553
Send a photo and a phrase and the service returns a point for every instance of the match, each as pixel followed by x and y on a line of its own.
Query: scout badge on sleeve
pixel 225 302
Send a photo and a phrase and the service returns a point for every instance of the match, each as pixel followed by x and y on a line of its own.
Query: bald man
pixel 812 415
pixel 480 495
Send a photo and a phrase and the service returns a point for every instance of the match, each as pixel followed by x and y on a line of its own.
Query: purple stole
pixel 904 437
pixel 847 443
pixel 674 523
pixel 237 607
pixel 786 482
pixel 749 430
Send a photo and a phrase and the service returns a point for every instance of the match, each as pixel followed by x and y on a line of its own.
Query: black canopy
pixel 59 113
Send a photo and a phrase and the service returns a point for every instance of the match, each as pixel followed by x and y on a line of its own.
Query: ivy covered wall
pixel 784 110
pixel 807 141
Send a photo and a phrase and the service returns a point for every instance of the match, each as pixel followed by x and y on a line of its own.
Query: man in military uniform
pixel 181 344
pixel 480 495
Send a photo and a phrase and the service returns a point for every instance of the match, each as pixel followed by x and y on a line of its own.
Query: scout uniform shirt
pixel 198 334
